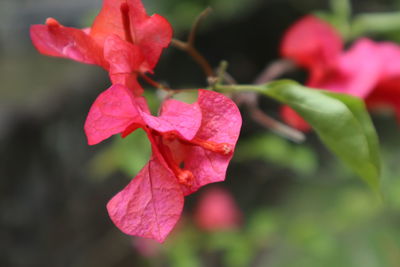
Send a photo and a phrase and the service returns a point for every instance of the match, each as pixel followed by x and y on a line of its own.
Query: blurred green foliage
pixel 128 154
pixel 270 148
pixel 353 26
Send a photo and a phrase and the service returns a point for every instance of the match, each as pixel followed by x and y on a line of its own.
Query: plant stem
pixel 258 115
pixel 196 55
pixel 190 48
pixel 239 88
pixel 155 83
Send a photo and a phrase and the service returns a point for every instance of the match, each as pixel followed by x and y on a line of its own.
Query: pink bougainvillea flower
pixel 312 44
pixel 217 210
pixel 192 145
pixel 123 39
pixel 386 92
pixel 367 70
pixel 293 119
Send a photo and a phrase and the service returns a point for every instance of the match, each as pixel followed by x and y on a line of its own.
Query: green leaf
pixel 341 121
pixel 375 23
pixel 339 16
pixel 119 155
pixel 341 8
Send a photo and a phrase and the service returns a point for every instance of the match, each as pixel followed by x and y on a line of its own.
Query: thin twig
pixel 195 54
pixel 250 100
pixel 277 127
pixel 155 83
pixel 229 78
pixel 220 78
pixel 190 48
pixel 275 70
pixel 196 24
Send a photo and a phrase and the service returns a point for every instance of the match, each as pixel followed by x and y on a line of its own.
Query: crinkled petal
pixel 221 119
pixel 129 80
pixel 59 41
pixel 113 112
pixel 310 42
pixel 221 123
pixel 176 116
pixel 153 35
pixel 109 20
pixel 150 205
pixel 206 166
pixel 125 60
pixel 122 56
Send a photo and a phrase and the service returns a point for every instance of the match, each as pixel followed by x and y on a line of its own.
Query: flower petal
pixel 59 41
pixel 109 20
pixel 389 54
pixel 113 112
pixel 221 119
pixel 311 41
pixel 125 60
pixel 386 94
pixel 122 56
pixel 150 205
pixel 292 118
pixel 176 116
pixel 152 34
pixel 357 73
pixel 221 123
pixel 217 210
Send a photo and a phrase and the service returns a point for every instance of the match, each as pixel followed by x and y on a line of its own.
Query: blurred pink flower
pixel 217 210
pixel 369 70
pixel 147 248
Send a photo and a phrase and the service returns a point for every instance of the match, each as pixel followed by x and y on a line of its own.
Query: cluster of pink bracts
pixel 369 70
pixel 192 144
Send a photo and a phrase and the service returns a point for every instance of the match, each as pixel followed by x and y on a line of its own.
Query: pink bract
pixel 312 43
pixel 150 205
pixel 123 40
pixel 192 145
pixel 217 210
pixel 369 70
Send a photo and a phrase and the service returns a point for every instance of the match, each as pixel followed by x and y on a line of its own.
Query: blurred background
pixel 283 204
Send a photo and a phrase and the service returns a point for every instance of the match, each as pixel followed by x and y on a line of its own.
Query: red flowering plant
pixel 368 69
pixel 192 144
